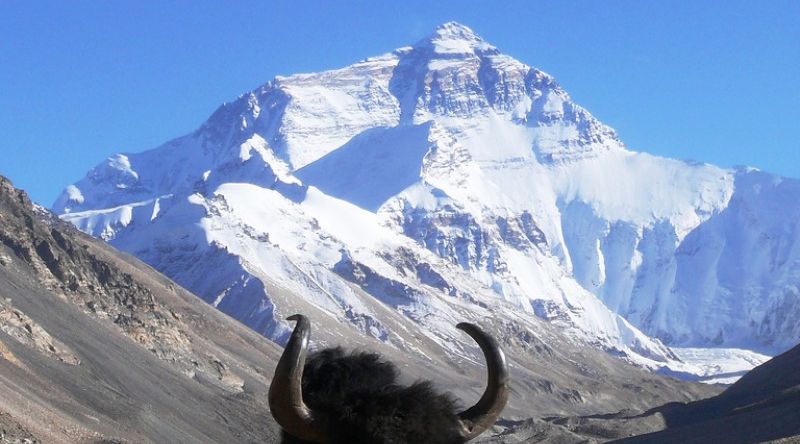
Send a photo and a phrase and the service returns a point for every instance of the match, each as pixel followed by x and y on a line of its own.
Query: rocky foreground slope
pixel 97 346
pixel 763 406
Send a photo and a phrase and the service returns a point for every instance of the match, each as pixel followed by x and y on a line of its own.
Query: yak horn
pixel 285 391
pixel 483 415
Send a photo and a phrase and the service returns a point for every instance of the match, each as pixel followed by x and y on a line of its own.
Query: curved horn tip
pixel 482 415
pixel 296 317
pixel 488 344
pixel 467 327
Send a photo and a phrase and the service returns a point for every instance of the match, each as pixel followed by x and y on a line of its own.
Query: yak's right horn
pixel 478 418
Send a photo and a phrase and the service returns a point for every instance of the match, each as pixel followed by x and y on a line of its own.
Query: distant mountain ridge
pixel 447 178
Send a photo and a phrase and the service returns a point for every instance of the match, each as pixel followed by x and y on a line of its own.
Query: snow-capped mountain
pixel 86 330
pixel 447 181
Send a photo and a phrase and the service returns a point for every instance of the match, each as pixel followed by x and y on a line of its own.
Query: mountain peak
pixel 454 31
pixel 454 38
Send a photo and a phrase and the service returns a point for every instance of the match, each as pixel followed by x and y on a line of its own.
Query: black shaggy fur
pixel 358 400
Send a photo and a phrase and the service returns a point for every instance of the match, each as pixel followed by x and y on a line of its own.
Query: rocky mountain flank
pixel 96 346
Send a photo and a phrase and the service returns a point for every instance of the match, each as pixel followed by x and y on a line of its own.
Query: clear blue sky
pixel 79 80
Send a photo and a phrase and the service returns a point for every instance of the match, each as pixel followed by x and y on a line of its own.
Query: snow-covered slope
pixel 447 180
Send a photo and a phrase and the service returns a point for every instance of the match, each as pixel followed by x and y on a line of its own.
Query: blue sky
pixel 711 81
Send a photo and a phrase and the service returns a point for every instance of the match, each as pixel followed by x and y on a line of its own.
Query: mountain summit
pixel 447 181
pixel 455 38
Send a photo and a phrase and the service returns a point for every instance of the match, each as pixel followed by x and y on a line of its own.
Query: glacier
pixel 447 181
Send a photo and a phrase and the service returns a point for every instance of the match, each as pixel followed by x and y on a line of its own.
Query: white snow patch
pixel 721 365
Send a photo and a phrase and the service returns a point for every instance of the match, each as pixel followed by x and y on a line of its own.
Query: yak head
pixel 338 397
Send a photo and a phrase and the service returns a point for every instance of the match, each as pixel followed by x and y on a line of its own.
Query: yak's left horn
pixel 285 391
pixel 478 418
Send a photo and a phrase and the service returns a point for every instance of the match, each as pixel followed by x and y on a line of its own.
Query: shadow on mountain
pixel 764 405
pixel 372 167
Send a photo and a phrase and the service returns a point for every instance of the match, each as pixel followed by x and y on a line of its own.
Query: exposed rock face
pixel 12 432
pixel 25 330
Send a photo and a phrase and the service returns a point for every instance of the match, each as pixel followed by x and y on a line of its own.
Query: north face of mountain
pixel 449 174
